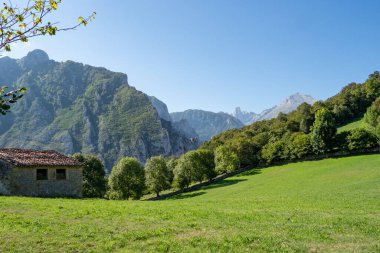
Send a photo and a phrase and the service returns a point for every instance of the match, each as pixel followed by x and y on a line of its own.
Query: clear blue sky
pixel 216 55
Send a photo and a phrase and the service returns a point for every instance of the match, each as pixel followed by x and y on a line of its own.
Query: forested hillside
pixel 71 107
pixel 309 130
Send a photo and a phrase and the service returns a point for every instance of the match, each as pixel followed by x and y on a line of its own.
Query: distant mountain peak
pixel 286 106
pixel 34 58
pixel 38 55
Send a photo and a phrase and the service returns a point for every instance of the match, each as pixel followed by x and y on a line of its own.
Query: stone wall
pixel 5 176
pixel 24 182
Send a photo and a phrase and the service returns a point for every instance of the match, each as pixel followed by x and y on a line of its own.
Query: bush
pixel 340 141
pixel 300 146
pixel 361 139
pixel 273 151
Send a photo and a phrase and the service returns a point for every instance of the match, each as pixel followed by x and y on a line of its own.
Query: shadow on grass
pixel 223 183
pixel 250 172
pixel 186 196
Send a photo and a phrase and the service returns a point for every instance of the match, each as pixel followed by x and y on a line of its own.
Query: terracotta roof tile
pixel 30 157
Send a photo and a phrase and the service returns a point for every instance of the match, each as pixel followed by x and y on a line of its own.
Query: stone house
pixel 27 172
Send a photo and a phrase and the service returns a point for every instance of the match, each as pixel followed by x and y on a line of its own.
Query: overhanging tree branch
pixel 19 24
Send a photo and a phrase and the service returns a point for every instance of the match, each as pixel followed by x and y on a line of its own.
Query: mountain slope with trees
pixel 310 130
pixel 71 107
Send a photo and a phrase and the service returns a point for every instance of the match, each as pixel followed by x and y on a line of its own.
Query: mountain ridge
pixel 286 106
pixel 71 107
pixel 205 123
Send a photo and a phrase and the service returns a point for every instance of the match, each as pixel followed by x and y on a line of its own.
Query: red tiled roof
pixel 30 157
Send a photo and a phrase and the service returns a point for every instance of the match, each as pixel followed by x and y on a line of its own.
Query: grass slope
pixel 331 205
pixel 352 125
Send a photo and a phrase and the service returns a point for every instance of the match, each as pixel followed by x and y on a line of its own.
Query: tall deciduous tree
pixel 157 174
pixel 19 24
pixel 94 181
pixel 323 131
pixel 372 116
pixel 183 172
pixel 127 179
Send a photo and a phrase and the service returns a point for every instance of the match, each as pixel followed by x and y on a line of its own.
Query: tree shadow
pixel 223 183
pixel 251 172
pixel 187 195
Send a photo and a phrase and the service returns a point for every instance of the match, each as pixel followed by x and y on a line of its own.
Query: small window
pixel 42 174
pixel 60 174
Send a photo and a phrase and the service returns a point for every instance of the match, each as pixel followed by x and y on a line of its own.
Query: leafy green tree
pixel 183 172
pixel 372 86
pixel 247 151
pixel 171 163
pixel 19 24
pixel 305 117
pixel 8 98
pixel 127 179
pixel 196 167
pixel 361 139
pixel 372 116
pixel 225 160
pixel 323 131
pixel 94 181
pixel 207 162
pixel 300 146
pixel 157 174
pixel 273 151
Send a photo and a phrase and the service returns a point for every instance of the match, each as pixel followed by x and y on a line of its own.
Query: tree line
pixel 129 179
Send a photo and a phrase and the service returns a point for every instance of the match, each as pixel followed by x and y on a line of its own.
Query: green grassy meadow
pixel 331 205
pixel 358 123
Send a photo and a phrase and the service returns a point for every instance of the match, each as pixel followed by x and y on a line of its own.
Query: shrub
pixel 361 139
pixel 273 151
pixel 300 146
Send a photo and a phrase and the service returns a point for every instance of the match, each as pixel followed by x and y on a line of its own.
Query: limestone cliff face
pixel 160 107
pixel 207 124
pixel 71 107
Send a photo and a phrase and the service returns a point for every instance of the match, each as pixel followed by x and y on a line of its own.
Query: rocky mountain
pixel 160 107
pixel 181 126
pixel 288 105
pixel 71 107
pixel 207 124
pixel 243 116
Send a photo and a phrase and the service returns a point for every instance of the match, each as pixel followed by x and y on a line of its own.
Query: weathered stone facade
pixel 21 178
pixel 5 178
pixel 24 182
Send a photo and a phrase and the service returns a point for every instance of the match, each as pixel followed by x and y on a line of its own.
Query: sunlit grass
pixel 331 205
